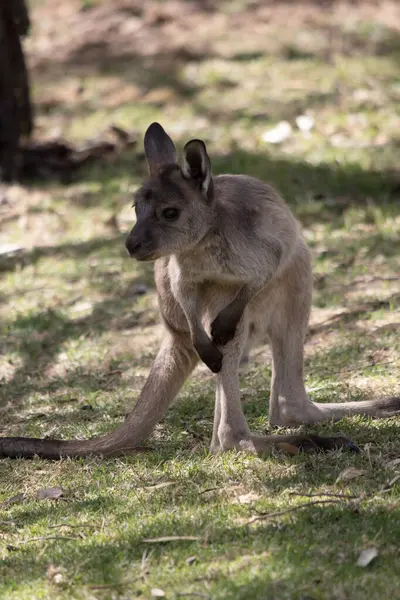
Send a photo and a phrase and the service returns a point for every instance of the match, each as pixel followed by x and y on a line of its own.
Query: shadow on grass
pixel 152 55
pixel 346 318
pixel 310 189
pixel 39 336
pixel 75 250
pixel 317 193
pixel 81 252
pixel 288 544
pixel 156 65
pixel 151 68
pixel 299 181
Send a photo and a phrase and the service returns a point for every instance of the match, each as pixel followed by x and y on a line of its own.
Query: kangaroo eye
pixel 170 214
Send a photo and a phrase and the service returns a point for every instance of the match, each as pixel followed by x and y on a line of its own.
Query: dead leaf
pixel 157 592
pixel 277 134
pixel 159 486
pixel 114 372
pixel 349 473
pixel 366 557
pixel 191 560
pixel 247 498
pixel 387 328
pixel 392 463
pixel 10 249
pixel 305 123
pixel 51 493
pixel 54 574
pixel 392 482
pixel 171 538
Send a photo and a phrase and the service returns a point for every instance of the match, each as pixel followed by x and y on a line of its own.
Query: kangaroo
pixel 229 259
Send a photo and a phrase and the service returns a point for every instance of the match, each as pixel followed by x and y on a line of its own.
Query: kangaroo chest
pixel 212 269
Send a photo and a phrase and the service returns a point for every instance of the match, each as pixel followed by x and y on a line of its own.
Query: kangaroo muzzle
pixel 139 247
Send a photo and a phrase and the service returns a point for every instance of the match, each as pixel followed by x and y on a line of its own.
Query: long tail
pixel 116 443
pixel 171 367
pixel 125 439
pixel 378 408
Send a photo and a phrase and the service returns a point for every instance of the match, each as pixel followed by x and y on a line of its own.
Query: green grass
pixel 78 340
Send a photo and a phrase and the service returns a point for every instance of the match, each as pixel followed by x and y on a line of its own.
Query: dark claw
pixel 315 443
pixel 222 331
pixel 215 365
pixel 211 356
pixel 349 445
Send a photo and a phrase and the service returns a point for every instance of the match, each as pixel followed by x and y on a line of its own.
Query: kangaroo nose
pixel 132 246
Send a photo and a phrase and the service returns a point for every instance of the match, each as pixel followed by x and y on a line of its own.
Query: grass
pixel 78 338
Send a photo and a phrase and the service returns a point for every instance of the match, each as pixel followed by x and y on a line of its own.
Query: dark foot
pixel 316 443
pixel 211 356
pixel 223 329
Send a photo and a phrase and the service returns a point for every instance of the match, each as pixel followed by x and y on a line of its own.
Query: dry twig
pixel 328 494
pixel 106 586
pixel 71 526
pixel 279 513
pixel 50 537
pixel 197 594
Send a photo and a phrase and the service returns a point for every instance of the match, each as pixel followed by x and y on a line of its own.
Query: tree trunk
pixel 16 118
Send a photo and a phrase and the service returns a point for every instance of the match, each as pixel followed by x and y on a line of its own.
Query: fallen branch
pixel 197 594
pixel 208 490
pixel 71 526
pixel 328 494
pixel 367 280
pixel 171 538
pixel 279 513
pixel 50 537
pixel 58 158
pixel 106 586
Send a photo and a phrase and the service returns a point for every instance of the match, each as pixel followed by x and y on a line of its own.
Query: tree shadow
pixel 38 337
pixel 299 181
pixel 162 48
pixel 346 318
pixel 279 542
pixel 320 193
pixel 77 251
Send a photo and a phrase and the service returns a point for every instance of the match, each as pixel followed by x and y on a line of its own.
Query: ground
pixel 79 322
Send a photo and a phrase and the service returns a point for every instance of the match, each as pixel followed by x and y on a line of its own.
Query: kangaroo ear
pixel 158 147
pixel 196 165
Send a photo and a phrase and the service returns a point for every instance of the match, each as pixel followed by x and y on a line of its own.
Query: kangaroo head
pixel 174 206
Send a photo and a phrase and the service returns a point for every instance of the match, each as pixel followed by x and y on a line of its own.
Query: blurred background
pixel 301 93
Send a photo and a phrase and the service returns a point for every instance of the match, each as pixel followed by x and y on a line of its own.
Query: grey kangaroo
pixel 229 259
